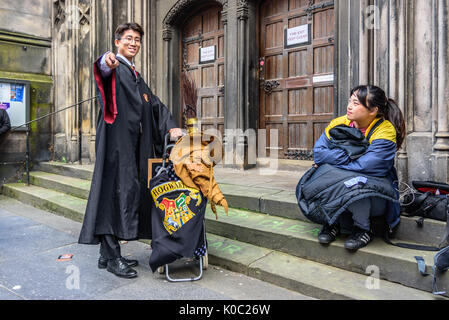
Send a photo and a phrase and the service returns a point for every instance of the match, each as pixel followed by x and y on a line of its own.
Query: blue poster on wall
pixel 14 97
pixel 17 92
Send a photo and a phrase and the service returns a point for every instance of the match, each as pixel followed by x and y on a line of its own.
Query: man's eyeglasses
pixel 131 39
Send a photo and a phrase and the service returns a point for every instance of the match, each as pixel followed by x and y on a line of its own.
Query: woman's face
pixel 357 112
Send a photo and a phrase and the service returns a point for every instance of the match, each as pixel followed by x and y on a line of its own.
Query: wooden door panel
pixel 195 74
pixel 299 135
pixel 297 21
pixel 221 74
pixel 208 42
pixel 210 21
pixel 208 77
pixel 192 53
pixel 220 106
pixel 208 107
pixel 299 102
pixel 296 95
pixel 273 67
pixel 221 42
pixel 274 35
pixel 192 27
pixel 323 60
pixel 273 104
pixel 297 63
pixel 323 100
pixel 323 24
pixel 272 8
pixel 297 4
pixel 205 29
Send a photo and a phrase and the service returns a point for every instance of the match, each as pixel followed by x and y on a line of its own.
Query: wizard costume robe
pixel 131 127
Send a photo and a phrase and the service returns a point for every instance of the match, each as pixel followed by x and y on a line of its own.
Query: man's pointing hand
pixel 111 61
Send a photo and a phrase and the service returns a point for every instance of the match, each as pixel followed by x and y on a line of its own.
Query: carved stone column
pixel 242 19
pixel 364 40
pixel 64 23
pixel 167 34
pixel 242 84
pixel 224 19
pixel 402 156
pixel 421 77
pixel 440 155
pixel 349 19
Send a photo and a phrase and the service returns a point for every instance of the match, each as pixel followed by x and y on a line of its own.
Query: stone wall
pixel 25 55
pixel 389 43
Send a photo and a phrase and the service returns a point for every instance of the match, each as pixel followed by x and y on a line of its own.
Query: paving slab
pixel 36 273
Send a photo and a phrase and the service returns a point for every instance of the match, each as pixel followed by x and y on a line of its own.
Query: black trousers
pixel 109 247
pixel 360 212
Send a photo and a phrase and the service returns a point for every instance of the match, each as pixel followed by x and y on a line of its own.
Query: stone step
pixel 73 186
pixel 283 203
pixel 292 272
pixel 307 277
pixel 70 170
pixel 291 237
pixel 299 238
pixel 54 201
pixel 270 201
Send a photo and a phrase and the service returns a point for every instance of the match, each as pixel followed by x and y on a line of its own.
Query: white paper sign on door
pixel 297 36
pixel 207 54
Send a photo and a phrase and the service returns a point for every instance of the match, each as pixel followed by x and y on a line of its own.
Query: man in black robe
pixel 131 127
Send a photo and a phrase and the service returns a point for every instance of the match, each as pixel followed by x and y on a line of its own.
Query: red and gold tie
pixel 134 69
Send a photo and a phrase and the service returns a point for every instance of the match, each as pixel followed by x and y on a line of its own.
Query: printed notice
pixel 297 36
pixel 207 54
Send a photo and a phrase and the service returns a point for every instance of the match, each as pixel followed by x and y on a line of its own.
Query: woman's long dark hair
pixel 371 97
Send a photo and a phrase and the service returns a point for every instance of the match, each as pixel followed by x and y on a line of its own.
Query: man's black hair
pixel 128 26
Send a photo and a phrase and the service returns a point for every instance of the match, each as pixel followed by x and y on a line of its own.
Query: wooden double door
pixel 296 76
pixel 205 30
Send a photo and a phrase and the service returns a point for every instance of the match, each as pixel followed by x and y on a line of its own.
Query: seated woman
pixel 367 106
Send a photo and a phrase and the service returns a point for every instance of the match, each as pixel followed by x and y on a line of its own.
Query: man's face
pixel 129 44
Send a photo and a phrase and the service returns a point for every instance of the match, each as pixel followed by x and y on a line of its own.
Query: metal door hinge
pixel 312 7
pixel 269 86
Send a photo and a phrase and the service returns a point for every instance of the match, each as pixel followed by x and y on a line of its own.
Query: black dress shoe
pixel 103 262
pixel 328 234
pixel 120 268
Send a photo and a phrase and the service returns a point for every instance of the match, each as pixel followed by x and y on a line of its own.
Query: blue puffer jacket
pixel 378 160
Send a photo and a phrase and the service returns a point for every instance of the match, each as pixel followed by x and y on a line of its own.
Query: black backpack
pixel 429 200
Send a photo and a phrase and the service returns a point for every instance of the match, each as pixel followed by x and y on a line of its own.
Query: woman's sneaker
pixel 328 234
pixel 358 240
